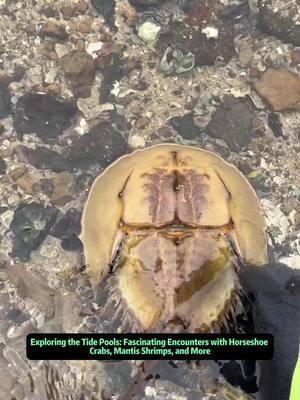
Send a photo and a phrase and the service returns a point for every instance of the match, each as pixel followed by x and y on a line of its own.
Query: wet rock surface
pixel 30 225
pixel 43 114
pixel 88 149
pixel 232 122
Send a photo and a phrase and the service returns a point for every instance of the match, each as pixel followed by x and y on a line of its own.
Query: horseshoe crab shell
pixel 173 222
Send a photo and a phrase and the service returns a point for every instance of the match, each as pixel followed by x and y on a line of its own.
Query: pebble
pixel 25 182
pixel 280 88
pixel 43 158
pixel 63 185
pixel 142 122
pixel 54 29
pixel 186 126
pixel 79 69
pixel 232 122
pixel 5 101
pixel 89 147
pixel 107 9
pixel 148 31
pixel 43 114
pixel 30 225
pixel 44 186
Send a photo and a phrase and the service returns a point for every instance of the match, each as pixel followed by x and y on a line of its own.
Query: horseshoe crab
pixel 173 223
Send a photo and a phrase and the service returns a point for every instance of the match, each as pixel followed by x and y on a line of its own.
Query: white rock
pixel 136 141
pixel 61 50
pixel 93 47
pixel 211 32
pixel 148 31
pixel 292 261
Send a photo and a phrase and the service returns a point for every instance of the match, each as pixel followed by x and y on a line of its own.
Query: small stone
pixel 275 124
pixel 280 88
pixel 81 6
pixel 43 114
pixel 148 31
pixel 30 225
pixel 16 173
pixel 103 144
pixel 107 9
pixel 142 122
pixel 54 29
pixel 211 32
pixel 79 69
pixel 136 142
pixel 54 88
pixel 2 166
pixel 13 200
pixel 68 12
pixel 232 122
pixel 63 185
pixel 2 128
pixel 5 104
pixel 43 158
pixel 25 183
pixel 113 71
pixel 68 225
pixel 61 50
pixel 186 126
pixel 82 26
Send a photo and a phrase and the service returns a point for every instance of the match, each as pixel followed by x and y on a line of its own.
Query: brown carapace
pixel 173 223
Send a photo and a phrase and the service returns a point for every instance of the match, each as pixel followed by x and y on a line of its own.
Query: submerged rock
pixel 43 158
pixel 186 126
pixel 280 88
pixel 31 224
pixel 5 104
pixel 280 19
pixel 68 228
pixel 146 3
pixel 276 310
pixel 107 9
pixel 232 122
pixel 43 114
pixel 79 69
pixel 102 145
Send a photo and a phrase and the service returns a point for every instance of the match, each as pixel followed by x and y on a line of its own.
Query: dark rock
pixel 107 9
pixel 275 124
pixel 43 114
pixel 112 72
pixel 189 39
pixel 235 12
pixel 2 166
pixel 68 225
pixel 43 158
pixel 31 224
pixel 68 228
pixel 275 293
pixel 279 22
pixel 16 315
pixel 232 122
pixel 54 29
pixel 186 126
pixel 102 145
pixel 72 244
pixel 5 104
pixel 79 69
pixel 84 182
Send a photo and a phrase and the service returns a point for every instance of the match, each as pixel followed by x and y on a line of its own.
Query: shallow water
pixel 81 84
